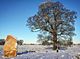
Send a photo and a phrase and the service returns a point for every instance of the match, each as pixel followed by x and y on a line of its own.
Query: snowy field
pixel 45 52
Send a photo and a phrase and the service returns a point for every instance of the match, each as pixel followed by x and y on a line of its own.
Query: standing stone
pixel 10 47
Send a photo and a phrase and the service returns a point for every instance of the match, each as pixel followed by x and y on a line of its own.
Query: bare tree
pixel 55 19
pixel 20 42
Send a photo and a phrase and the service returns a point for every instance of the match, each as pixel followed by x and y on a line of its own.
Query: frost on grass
pixel 45 52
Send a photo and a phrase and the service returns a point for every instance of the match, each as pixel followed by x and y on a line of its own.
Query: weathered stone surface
pixel 10 47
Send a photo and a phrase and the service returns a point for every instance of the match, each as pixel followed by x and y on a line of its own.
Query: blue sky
pixel 14 13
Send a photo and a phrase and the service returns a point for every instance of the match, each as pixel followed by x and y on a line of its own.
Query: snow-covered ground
pixel 45 52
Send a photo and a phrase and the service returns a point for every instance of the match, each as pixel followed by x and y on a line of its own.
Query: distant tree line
pixel 2 41
pixel 62 42
pixel 19 42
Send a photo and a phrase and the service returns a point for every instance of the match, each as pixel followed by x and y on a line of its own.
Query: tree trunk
pixel 54 40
